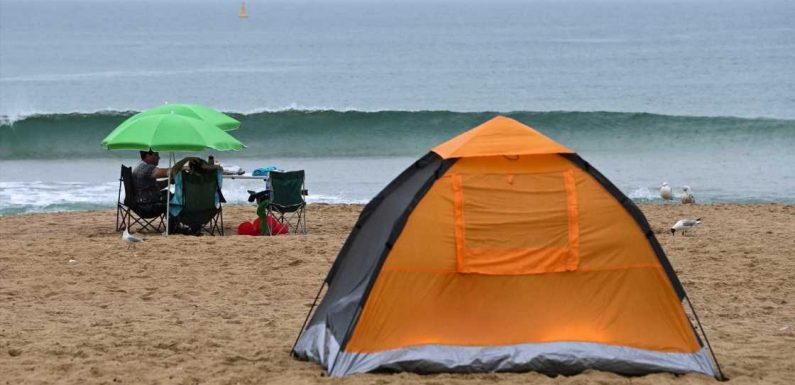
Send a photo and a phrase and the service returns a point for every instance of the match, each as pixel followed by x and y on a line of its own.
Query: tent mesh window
pixel 516 223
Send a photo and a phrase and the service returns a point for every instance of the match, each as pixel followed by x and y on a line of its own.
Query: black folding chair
pixel 199 210
pixel 287 204
pixel 129 212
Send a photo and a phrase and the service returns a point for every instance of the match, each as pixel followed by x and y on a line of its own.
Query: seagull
pixel 132 240
pixel 665 192
pixel 688 197
pixel 684 225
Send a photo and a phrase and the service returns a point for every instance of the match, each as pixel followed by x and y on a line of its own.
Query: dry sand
pixel 187 310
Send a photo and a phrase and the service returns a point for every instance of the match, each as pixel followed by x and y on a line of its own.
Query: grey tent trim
pixel 566 358
pixel 366 248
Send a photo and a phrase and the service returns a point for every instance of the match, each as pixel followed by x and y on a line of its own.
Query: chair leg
pixel 212 225
pixel 215 225
pixel 129 218
pixel 209 227
pixel 118 205
pixel 221 218
pixel 122 214
pixel 295 221
pixel 279 217
pixel 155 224
pixel 268 214
pixel 303 220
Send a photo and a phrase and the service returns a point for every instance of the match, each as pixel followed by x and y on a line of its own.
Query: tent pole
pixel 292 351
pixel 721 377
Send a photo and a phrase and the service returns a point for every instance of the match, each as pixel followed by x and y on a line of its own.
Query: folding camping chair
pixel 198 208
pixel 129 212
pixel 287 204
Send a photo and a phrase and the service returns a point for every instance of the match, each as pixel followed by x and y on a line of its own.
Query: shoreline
pixel 183 309
pixel 640 202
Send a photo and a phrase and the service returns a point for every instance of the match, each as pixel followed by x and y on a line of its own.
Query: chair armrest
pixel 258 196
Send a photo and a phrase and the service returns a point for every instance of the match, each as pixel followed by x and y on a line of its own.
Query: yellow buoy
pixel 243 13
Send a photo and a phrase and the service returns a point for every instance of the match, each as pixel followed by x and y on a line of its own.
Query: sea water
pixel 698 93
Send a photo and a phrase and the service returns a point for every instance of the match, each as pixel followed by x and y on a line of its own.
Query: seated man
pixel 151 194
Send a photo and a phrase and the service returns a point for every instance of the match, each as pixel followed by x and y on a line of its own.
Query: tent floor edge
pixel 552 358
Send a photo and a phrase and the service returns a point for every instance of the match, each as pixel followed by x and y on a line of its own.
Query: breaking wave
pixel 351 133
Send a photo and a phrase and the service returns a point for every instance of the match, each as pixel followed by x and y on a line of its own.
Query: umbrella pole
pixel 168 193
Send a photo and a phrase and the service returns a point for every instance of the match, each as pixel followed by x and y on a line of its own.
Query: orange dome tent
pixel 502 250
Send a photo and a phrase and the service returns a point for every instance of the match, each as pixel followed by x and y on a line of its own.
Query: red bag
pixel 276 227
pixel 246 228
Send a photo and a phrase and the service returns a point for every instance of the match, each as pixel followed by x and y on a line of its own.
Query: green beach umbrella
pixel 169 132
pixel 196 111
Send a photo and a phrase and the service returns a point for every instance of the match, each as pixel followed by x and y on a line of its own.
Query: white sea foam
pixel 299 107
pixel 104 75
pixel 37 196
pixel 650 194
pixel 644 193
pixel 14 115
pixel 321 198
pixel 43 194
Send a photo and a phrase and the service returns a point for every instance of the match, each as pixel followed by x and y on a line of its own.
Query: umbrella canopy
pixel 195 111
pixel 169 132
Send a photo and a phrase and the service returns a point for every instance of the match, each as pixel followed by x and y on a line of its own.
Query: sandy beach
pixel 191 310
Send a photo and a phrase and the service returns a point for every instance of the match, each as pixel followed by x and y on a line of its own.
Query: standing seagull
pixel 688 197
pixel 131 240
pixel 684 225
pixel 665 192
